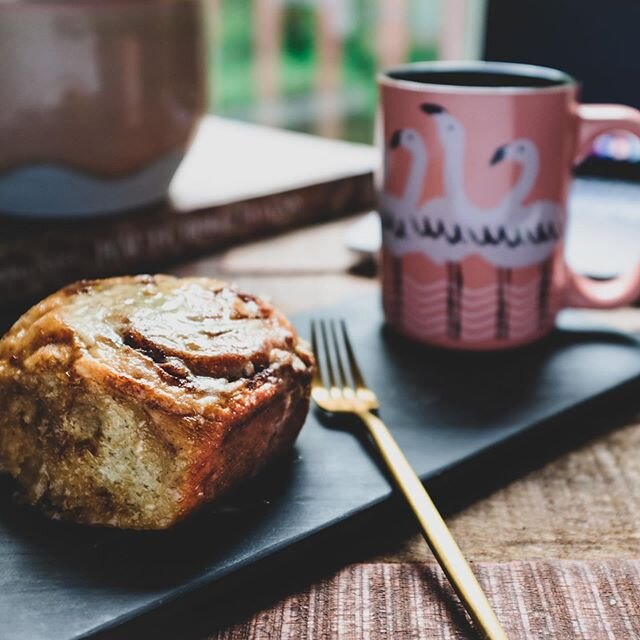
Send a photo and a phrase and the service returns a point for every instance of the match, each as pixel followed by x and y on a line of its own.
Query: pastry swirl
pixel 129 402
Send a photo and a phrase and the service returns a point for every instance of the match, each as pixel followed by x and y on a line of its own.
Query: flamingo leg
pixel 454 300
pixel 502 310
pixel 499 306
pixel 543 292
pixel 396 297
pixel 450 301
pixel 507 275
pixel 459 292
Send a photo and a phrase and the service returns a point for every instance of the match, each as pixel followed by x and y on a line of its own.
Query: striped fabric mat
pixel 534 600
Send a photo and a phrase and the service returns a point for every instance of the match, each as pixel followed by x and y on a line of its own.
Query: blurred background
pixel 310 65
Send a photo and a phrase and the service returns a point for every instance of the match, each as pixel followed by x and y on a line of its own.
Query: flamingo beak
pixel 432 109
pixel 394 143
pixel 499 155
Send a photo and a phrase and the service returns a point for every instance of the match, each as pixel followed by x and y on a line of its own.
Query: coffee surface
pixel 477 78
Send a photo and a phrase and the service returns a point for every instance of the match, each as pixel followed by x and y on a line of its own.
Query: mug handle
pixel 593 120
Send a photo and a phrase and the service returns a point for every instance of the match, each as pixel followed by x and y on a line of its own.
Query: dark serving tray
pixel 455 415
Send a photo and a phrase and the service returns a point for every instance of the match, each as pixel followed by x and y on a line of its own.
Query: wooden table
pixel 582 508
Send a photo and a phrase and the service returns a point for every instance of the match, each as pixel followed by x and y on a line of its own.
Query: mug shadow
pixel 483 388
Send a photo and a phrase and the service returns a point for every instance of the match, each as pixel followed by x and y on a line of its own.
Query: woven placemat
pixel 533 599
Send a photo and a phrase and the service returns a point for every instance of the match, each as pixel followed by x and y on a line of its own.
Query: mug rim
pixel 565 82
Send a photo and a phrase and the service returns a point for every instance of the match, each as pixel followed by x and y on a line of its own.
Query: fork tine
pixel 356 374
pixel 327 355
pixel 317 376
pixel 336 348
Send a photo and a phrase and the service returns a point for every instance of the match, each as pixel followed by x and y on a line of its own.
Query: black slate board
pixel 450 412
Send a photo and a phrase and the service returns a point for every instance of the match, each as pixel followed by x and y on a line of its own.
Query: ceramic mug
pixel 99 102
pixel 477 167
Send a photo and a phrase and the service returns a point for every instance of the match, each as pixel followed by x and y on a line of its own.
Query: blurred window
pixel 311 65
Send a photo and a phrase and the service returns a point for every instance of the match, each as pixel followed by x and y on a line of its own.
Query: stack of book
pixel 237 182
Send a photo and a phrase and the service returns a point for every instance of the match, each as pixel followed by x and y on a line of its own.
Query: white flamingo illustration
pixel 533 229
pixel 442 222
pixel 449 228
pixel 437 227
pixel 397 211
pixel 507 236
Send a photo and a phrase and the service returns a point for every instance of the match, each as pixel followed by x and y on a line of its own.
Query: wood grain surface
pixel 534 600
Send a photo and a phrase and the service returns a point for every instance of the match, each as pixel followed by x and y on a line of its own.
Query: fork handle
pixel 435 531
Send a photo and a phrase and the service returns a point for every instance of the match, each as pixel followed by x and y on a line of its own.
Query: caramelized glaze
pixel 131 401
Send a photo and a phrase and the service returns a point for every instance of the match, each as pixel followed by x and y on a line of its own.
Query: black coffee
pixel 480 78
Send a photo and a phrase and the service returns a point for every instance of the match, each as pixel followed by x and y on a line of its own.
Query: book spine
pixel 153 240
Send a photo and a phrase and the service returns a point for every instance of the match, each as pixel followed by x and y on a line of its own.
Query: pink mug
pixel 477 167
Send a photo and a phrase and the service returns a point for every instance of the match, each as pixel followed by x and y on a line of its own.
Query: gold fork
pixel 349 394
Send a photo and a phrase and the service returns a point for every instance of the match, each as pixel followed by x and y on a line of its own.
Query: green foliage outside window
pixel 231 59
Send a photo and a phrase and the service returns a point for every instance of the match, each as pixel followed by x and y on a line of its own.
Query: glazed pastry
pixel 130 402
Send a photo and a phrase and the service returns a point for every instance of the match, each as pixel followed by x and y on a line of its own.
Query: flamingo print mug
pixel 477 166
